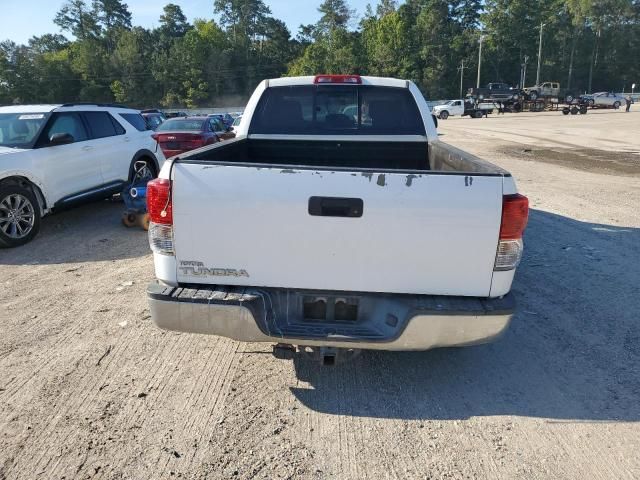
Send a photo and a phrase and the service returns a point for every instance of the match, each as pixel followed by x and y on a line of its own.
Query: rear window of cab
pixel 337 110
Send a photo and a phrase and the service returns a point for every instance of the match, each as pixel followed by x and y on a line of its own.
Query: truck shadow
pixel 572 352
pixel 89 233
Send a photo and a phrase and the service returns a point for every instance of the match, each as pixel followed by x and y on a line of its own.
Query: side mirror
pixel 61 139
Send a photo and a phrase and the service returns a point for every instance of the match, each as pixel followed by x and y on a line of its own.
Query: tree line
pixel 587 45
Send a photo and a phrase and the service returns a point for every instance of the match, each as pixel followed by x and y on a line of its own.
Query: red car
pixel 179 135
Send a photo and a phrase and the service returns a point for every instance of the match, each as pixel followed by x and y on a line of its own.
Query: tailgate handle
pixel 335 207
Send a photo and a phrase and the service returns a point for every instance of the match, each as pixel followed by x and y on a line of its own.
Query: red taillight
pixel 198 142
pixel 354 79
pixel 159 201
pixel 155 136
pixel 515 213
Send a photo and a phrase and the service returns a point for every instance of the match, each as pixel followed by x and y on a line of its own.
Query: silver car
pixel 605 99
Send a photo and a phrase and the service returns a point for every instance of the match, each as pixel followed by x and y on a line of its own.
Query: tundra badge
pixel 199 270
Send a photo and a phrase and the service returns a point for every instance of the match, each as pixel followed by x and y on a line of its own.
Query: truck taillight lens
pixel 159 206
pixel 161 238
pixel 515 214
pixel 508 255
pixel 159 201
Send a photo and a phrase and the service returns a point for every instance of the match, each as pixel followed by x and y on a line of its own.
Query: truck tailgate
pixel 429 233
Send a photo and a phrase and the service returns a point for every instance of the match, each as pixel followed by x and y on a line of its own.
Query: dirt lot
pixel 90 389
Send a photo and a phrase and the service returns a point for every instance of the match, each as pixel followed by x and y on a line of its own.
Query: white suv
pixel 56 156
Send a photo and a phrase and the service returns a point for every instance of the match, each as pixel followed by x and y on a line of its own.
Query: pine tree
pixel 75 17
pixel 112 14
pixel 173 22
pixel 385 7
pixel 335 15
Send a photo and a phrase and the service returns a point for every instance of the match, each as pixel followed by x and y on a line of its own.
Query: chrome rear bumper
pixel 393 322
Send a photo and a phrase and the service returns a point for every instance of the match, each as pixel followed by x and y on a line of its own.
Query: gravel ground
pixel 90 389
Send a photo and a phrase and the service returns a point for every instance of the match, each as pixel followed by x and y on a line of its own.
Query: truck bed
pixel 346 154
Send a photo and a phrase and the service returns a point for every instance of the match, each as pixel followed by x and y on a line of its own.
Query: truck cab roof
pixel 312 80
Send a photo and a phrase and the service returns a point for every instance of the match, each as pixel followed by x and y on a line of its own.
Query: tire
pixel 19 215
pixel 566 111
pixel 568 98
pixel 591 102
pixel 129 219
pixel 583 109
pixel 144 221
pixel 142 169
pixel 477 114
pixel 533 95
pixel 574 110
pixel 444 115
pixel 616 104
pixel 517 107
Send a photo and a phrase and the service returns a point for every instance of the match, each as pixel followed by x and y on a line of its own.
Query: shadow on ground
pixel 90 233
pixel 572 352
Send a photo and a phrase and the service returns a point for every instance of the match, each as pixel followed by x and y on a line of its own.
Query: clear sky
pixel 22 19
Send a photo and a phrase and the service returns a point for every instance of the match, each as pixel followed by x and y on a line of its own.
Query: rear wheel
pixel 142 170
pixel 444 115
pixel 616 105
pixel 477 114
pixel 144 221
pixel 566 110
pixel 19 216
pixel 574 110
pixel 129 219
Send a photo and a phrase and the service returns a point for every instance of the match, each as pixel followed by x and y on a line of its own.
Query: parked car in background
pixel 495 91
pixel 221 129
pixel 463 108
pixel 57 156
pixel 235 124
pixel 179 135
pixel 153 118
pixel 604 100
pixel 175 114
pixel 226 118
pixel 548 90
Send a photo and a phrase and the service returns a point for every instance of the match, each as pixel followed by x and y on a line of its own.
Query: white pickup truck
pixel 335 220
pixel 461 108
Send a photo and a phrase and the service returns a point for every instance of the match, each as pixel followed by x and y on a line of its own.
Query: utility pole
pixel 479 60
pixel 523 73
pixel 539 54
pixel 461 70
